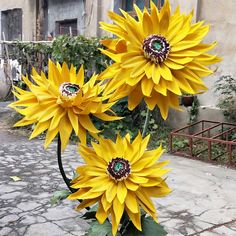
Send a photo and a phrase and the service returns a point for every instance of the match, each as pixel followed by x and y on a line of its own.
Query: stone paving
pixel 202 202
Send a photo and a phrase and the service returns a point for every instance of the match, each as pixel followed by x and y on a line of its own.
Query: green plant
pixel 72 50
pixel 225 86
pixel 180 143
pixel 194 111
pixel 80 50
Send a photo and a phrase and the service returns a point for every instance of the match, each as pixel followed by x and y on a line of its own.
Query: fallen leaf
pixel 15 178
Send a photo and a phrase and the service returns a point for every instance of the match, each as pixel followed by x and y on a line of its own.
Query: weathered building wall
pixel 222 18
pixel 60 10
pixel 28 16
pixel 96 11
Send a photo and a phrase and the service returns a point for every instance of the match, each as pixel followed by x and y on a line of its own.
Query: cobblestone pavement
pixel 202 202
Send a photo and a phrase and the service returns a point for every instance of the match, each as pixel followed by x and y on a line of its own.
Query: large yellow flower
pixel 61 103
pixel 120 176
pixel 157 57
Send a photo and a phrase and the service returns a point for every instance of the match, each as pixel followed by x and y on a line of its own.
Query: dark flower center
pixel 156 48
pixel 69 90
pixel 118 168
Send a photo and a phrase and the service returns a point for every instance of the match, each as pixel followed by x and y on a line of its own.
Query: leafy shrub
pixel 226 88
pixel 73 50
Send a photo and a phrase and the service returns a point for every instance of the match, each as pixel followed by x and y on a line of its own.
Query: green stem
pixel 63 174
pixel 145 127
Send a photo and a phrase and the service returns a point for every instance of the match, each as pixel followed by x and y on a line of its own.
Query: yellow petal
pixel 87 124
pixel 101 215
pixel 48 113
pixel 86 203
pixel 156 75
pixel 24 122
pixel 147 86
pixel 131 202
pixel 113 223
pixel 182 45
pixel 135 218
pixel 158 191
pixel 121 192
pixel 165 72
pixel 51 134
pixel 147 24
pixel 39 128
pixel 137 179
pixel 111 192
pixel 135 97
pixel 130 185
pixel 105 117
pixel 65 129
pixel 118 209
pixel 82 134
pixel 80 76
pixel 173 65
pixel 138 70
pixel 74 120
pixel 58 115
pixel 143 197
pixel 106 205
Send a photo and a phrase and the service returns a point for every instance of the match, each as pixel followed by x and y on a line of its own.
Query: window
pixel 11 24
pixel 68 27
pixel 128 4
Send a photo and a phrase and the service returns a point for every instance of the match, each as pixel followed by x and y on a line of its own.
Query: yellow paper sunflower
pixel 61 103
pixel 120 176
pixel 157 57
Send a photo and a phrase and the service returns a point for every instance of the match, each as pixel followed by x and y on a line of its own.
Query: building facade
pixel 18 19
pixel 40 19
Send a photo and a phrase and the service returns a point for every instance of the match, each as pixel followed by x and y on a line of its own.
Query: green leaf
pixel 149 228
pixel 97 229
pixel 59 195
pixel 90 214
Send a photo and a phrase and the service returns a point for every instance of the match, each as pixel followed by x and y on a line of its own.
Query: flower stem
pixel 145 127
pixel 63 174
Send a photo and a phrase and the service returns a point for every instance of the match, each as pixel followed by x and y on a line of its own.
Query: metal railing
pixel 208 134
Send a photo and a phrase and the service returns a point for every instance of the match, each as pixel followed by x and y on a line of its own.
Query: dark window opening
pixel 11 24
pixel 68 27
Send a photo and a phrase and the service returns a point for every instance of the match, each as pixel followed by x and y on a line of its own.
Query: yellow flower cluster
pixel 130 176
pixel 157 57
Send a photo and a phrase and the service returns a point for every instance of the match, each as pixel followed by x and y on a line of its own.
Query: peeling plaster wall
pixel 60 10
pixel 186 6
pixel 95 11
pixel 222 18
pixel 28 16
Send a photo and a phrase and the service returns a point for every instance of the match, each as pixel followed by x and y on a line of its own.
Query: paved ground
pixel 202 203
